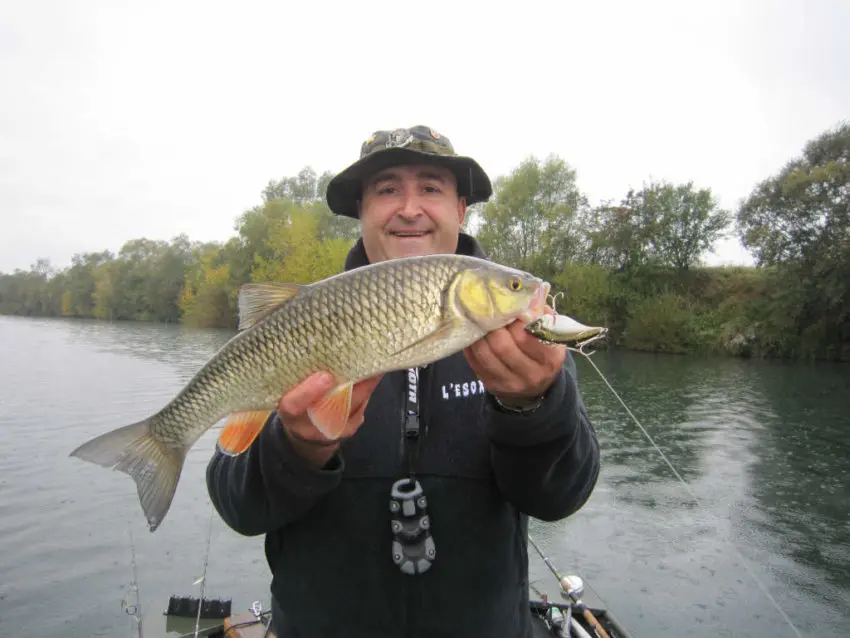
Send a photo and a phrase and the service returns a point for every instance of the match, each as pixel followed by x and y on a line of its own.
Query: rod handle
pixel 591 619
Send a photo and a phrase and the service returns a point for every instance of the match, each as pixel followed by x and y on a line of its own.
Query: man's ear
pixel 461 210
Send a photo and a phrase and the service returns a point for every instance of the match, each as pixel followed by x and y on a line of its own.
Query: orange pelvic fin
pixel 240 431
pixel 330 415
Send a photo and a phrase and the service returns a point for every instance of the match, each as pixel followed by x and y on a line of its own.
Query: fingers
pixel 530 345
pixel 511 351
pixel 295 402
pixel 487 363
pixel 512 362
pixel 292 406
pixel 504 370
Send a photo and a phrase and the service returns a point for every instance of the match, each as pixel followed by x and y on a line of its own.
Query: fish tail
pixel 154 465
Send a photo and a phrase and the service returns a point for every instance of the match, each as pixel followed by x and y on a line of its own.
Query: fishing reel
pixel 413 549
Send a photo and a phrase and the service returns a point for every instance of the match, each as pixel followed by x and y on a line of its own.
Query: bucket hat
pixel 415 145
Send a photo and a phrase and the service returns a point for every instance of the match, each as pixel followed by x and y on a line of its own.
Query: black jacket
pixel 328 532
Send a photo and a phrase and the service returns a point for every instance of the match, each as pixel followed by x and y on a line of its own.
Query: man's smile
pixel 409 233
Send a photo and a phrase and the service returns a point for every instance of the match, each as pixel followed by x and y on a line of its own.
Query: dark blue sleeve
pixel 546 462
pixel 269 485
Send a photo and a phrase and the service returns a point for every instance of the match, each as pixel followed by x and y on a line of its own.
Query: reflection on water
pixel 161 342
pixel 763 446
pixel 802 474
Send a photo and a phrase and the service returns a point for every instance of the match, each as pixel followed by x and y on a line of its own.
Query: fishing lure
pixel 564 330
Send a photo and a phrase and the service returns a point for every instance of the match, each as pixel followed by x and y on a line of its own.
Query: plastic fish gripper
pixel 413 548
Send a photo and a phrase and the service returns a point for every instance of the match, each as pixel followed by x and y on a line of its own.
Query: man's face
pixel 410 211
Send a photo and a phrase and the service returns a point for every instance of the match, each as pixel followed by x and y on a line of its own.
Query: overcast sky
pixel 121 120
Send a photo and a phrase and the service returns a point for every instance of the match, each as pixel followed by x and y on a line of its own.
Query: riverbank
pixel 733 311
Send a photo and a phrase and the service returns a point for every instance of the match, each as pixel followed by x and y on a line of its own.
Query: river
pixel 764 447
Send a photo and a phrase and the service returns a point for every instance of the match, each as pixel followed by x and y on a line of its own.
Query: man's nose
pixel 410 204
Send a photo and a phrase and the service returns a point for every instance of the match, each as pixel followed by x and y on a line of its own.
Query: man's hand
pixel 305 437
pixel 515 366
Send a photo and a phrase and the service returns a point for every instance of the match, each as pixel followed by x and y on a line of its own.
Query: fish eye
pixel 515 284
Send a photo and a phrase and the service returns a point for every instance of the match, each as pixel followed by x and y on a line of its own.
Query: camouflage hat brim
pixel 345 189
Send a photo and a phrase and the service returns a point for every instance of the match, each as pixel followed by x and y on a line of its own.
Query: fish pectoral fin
pixel 256 301
pixel 330 415
pixel 441 332
pixel 240 430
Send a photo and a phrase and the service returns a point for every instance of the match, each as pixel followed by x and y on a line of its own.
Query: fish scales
pixel 392 315
pixel 313 330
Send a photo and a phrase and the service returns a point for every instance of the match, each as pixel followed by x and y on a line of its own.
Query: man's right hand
pixel 308 442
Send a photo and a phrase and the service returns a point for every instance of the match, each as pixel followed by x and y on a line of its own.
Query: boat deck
pixel 244 624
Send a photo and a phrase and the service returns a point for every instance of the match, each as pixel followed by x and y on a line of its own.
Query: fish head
pixel 492 296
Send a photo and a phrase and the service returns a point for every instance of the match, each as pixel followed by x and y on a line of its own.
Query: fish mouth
pixel 537 306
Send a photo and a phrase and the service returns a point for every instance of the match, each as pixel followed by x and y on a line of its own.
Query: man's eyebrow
pixel 437 177
pixel 383 177
pixel 390 176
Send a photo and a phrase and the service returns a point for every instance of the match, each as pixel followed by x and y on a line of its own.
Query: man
pixel 492 435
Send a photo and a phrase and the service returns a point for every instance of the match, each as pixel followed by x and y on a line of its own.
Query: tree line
pixel 633 265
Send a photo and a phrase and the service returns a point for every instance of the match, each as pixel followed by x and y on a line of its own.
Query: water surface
pixel 763 446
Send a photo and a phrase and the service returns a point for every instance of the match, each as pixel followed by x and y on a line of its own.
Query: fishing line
pixel 744 561
pixel 204 574
pixel 137 610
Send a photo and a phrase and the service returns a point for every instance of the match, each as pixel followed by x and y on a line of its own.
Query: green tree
pixel 24 293
pixel 664 224
pixel 298 253
pixel 303 188
pixel 798 223
pixel 309 191
pixel 208 300
pixel 531 222
pixel 165 278
pixel 106 294
pixel 803 212
pixel 80 283
pixel 254 227
pixel 684 222
pixel 617 236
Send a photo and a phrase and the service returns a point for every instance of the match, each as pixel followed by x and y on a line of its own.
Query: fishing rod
pixel 572 587
pixel 554 618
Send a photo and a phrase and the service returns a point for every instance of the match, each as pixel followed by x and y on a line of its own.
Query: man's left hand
pixel 515 366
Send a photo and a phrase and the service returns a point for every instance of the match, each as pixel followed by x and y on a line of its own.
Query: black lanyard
pixel 413 548
pixel 412 428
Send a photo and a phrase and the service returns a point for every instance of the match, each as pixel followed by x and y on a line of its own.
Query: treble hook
pixel 553 298
pixel 580 347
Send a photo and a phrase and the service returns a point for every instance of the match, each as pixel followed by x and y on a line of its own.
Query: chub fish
pixel 393 315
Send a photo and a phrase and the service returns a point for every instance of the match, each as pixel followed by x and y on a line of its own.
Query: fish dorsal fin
pixel 256 301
